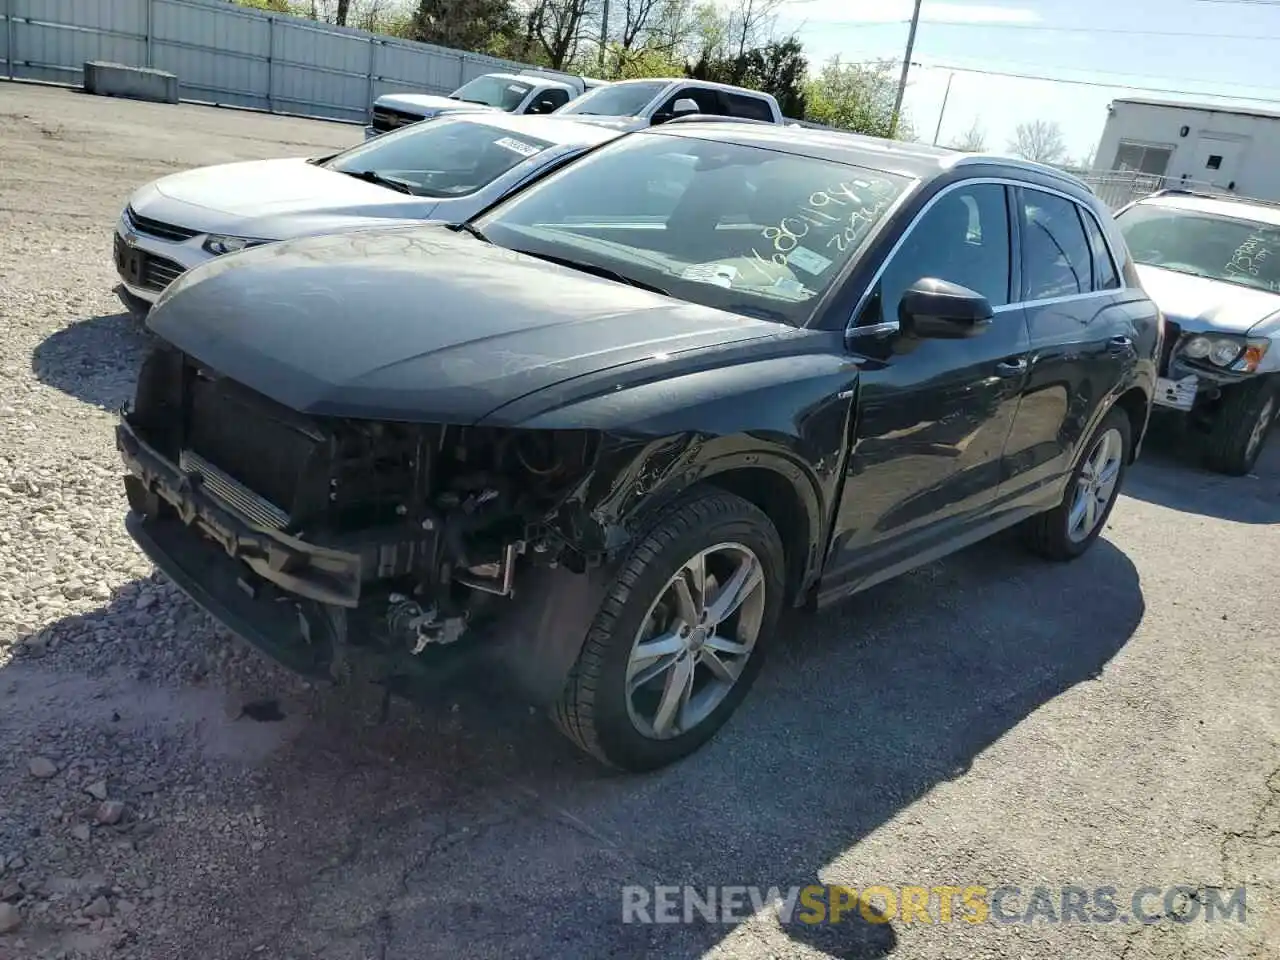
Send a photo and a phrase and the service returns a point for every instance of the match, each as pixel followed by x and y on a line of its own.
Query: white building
pixel 1232 149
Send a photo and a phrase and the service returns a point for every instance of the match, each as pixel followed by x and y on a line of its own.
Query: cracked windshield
pixel 739 228
pixel 1203 245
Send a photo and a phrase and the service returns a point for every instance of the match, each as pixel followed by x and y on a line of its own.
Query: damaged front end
pixel 327 541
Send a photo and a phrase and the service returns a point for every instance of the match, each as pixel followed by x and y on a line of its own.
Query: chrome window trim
pixel 981 159
pixel 851 325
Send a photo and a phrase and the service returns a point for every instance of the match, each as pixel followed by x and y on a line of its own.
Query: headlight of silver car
pixel 218 244
pixel 1220 351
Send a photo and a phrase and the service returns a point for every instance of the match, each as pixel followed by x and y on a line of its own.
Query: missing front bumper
pixel 319 573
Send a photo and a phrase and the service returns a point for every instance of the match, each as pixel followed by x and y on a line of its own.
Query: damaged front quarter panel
pixel 773 430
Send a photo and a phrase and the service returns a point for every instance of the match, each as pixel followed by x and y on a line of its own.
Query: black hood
pixel 420 323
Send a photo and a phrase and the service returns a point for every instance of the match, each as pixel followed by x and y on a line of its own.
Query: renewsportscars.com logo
pixel 973 903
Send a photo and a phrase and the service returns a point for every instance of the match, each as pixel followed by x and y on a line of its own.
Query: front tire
pixel 1240 427
pixel 680 636
pixel 1069 529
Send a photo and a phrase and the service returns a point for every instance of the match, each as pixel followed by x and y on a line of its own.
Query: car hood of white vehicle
pixel 232 197
pixel 427 104
pixel 1203 305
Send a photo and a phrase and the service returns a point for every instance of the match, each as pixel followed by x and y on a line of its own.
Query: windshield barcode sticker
pixel 524 149
pixel 807 260
pixel 721 274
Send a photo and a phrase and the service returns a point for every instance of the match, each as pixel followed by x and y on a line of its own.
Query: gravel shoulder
pixel 165 792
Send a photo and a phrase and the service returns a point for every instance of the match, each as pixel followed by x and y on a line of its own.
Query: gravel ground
pixel 987 720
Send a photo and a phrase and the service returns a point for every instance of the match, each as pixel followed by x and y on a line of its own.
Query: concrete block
pixel 135 83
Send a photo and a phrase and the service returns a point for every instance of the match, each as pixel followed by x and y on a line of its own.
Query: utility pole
pixel 942 112
pixel 906 67
pixel 604 32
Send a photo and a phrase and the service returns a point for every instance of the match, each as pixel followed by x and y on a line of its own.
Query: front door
pixel 1217 160
pixel 934 415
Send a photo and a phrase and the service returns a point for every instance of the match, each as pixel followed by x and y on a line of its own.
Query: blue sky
pixel 1225 48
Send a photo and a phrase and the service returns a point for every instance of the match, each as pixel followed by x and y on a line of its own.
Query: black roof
pixel 916 160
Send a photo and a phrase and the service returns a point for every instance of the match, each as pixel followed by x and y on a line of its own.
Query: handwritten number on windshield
pixel 1249 257
pixel 827 210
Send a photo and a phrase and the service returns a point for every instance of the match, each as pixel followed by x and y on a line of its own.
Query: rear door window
pixel 1056 258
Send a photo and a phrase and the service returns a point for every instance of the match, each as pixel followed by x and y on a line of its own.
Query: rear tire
pixel 605 705
pixel 1061 533
pixel 1240 427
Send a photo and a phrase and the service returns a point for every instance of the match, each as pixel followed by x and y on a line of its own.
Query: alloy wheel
pixel 1095 486
pixel 695 641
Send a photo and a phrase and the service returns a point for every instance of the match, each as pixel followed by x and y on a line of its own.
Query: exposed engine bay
pixel 401 534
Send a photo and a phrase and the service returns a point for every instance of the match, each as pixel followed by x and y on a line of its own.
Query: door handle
pixel 1012 368
pixel 1121 344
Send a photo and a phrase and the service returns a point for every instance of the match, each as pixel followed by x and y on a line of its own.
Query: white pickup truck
pixel 634 104
pixel 526 92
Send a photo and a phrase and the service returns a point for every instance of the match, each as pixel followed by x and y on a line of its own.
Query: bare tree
pixel 555 29
pixel 973 140
pixel 1039 140
pixel 750 24
pixel 638 19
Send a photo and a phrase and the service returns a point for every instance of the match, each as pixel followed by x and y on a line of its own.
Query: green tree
pixel 271 6
pixel 473 25
pixel 857 97
pixel 778 68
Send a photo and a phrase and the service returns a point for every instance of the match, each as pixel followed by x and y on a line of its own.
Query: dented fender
pixel 789 415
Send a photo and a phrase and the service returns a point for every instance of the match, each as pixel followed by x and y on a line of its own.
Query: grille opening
pixel 159 229
pixel 246 437
pixel 388 118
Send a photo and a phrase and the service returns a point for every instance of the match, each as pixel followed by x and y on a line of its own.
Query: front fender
pixel 784 417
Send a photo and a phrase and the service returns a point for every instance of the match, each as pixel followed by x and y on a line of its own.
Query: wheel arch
pixel 1136 405
pixel 780 489
pixel 777 498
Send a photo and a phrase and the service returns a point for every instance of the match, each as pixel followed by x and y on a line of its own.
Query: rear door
pixel 1082 334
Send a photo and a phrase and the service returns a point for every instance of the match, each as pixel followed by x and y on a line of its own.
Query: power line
pixel 1096 83
pixel 935 24
pixel 1131 73
pixel 1245 3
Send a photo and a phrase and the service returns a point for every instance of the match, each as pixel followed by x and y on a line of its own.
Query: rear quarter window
pixel 750 108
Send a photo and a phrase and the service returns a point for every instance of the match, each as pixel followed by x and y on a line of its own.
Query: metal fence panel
pixel 219 56
pixel 225 54
pixel 319 72
pixel 51 39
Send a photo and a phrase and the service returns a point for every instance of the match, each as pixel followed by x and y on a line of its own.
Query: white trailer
pixel 1229 149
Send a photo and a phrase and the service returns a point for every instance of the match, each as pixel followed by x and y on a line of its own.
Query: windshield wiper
pixel 471 229
pixel 373 176
pixel 596 270
pixel 759 313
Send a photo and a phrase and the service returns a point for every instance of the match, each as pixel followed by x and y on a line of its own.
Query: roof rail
pixel 1210 195
pixel 718 118
pixel 971 159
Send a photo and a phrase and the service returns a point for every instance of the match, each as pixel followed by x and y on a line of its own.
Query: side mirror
pixel 685 105
pixel 541 106
pixel 940 310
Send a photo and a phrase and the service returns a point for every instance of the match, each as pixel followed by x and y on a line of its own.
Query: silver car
pixel 1212 265
pixel 444 169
